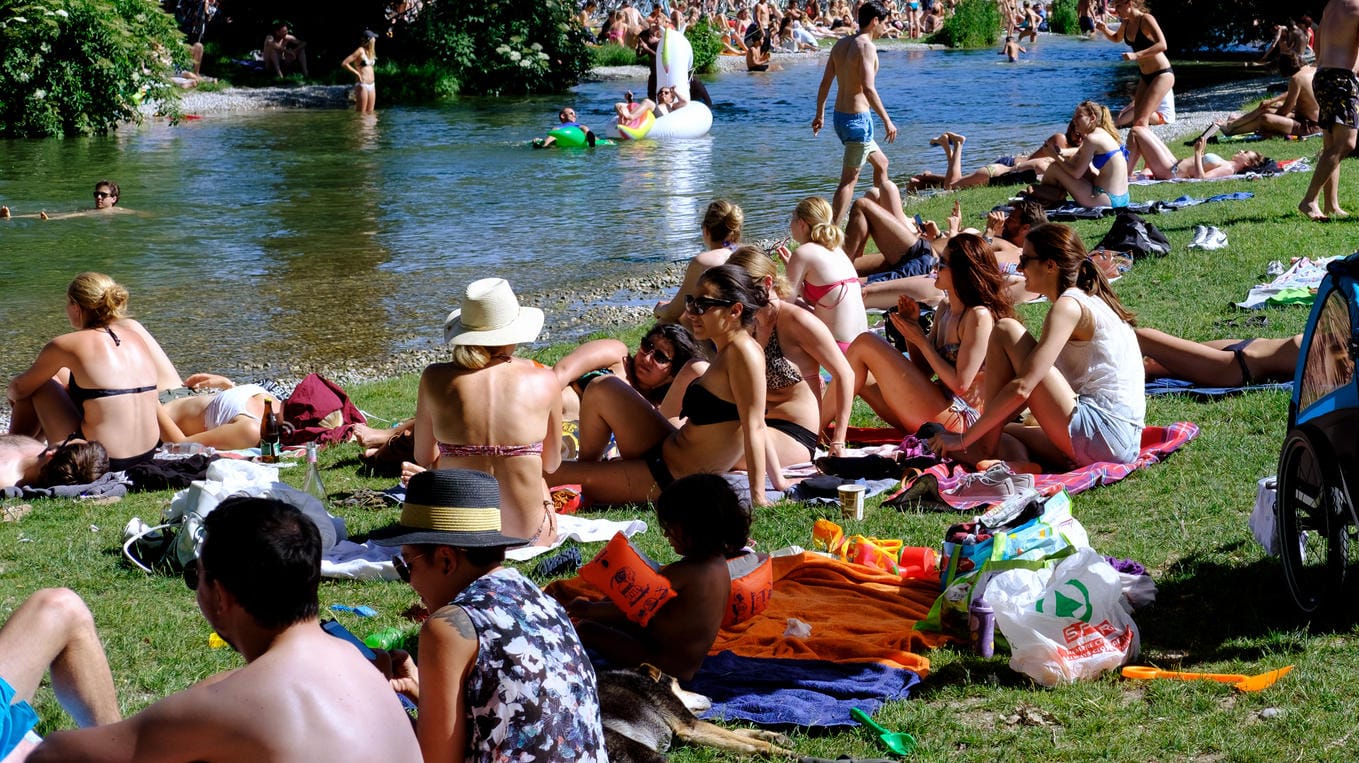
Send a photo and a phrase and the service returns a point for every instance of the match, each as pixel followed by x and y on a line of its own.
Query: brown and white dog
pixel 644 709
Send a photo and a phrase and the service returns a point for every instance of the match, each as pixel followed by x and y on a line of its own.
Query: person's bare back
pixel 1338 42
pixel 851 57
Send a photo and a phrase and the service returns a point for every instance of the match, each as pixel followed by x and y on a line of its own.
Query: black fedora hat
pixel 449 507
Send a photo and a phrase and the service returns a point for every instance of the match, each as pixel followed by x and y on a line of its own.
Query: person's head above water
pixel 105 194
pixel 567 114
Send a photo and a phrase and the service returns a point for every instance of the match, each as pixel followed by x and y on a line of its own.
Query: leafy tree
pixel 1063 19
pixel 707 44
pixel 75 67
pixel 1191 25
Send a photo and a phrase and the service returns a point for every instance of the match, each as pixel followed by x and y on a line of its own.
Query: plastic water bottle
pixel 311 484
pixel 981 618
pixel 387 638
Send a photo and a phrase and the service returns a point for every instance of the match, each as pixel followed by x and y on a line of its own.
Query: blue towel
pixel 1183 387
pixel 782 693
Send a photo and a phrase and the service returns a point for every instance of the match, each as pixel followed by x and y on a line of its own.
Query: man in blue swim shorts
pixel 853 66
pixel 51 629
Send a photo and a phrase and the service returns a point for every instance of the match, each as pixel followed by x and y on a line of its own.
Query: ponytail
pixel 1090 279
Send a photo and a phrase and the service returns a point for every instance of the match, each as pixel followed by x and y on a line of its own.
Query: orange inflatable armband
pixel 629 579
pixel 752 584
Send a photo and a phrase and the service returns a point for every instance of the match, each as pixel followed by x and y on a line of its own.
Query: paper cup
pixel 852 501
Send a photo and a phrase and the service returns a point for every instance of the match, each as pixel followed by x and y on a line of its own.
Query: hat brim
pixel 524 328
pixel 402 535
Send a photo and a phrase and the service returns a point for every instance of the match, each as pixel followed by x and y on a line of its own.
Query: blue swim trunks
pixel 856 133
pixel 15 723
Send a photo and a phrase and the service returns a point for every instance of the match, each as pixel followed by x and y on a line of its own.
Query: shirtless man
pixel 1293 113
pixel 853 66
pixel 105 201
pixel 763 16
pixel 632 18
pixel 281 48
pixel 1085 9
pixel 302 695
pixel 1337 93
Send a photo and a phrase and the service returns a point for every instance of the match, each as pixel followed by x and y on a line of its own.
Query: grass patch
pixel 612 54
pixel 1221 605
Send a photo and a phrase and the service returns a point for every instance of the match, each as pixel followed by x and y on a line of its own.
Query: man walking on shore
pixel 853 65
pixel 1337 94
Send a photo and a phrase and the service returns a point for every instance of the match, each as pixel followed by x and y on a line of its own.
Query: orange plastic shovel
pixel 1240 681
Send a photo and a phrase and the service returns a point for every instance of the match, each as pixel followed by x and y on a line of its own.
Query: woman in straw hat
pixel 488 410
pixel 723 409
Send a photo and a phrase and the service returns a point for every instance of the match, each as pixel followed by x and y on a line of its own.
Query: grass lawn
pixel 1221 605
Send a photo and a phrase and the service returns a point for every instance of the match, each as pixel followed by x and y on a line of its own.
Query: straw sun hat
pixel 490 316
pixel 449 507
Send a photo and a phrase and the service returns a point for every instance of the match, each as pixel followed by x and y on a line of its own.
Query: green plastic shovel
pixel 898 742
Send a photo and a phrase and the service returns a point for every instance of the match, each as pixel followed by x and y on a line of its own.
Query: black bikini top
pixel 1140 41
pixel 701 406
pixel 79 394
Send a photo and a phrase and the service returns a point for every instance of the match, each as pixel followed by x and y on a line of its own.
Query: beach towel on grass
pixel 1073 211
pixel 780 693
pixel 1287 165
pixel 1157 443
pixel 1295 286
pixel 1169 386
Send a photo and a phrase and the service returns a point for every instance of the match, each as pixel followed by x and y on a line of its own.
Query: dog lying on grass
pixel 644 709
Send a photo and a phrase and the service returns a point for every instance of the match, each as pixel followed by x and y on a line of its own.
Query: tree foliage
pixel 707 44
pixel 75 67
pixel 1063 18
pixel 1191 25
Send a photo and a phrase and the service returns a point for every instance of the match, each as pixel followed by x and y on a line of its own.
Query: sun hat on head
pixel 491 316
pixel 369 34
pixel 449 507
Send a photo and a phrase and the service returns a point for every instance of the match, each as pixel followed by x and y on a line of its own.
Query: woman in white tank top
pixel 1082 380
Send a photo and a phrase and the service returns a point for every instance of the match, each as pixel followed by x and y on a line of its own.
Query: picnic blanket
pixel 782 693
pixel 1287 165
pixel 111 485
pixel 1073 211
pixel 1295 286
pixel 1157 443
pixel 1168 386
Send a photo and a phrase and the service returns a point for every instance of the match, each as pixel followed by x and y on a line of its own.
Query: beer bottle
pixel 271 433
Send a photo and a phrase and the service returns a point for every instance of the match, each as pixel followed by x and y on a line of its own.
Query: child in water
pixel 706 524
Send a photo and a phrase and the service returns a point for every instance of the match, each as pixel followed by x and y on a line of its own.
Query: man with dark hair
pixel 853 66
pixel 302 695
pixel 1006 231
pixel 26 461
pixel 504 674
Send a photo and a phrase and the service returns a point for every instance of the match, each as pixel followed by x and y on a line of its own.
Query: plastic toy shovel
pixel 898 742
pixel 1240 681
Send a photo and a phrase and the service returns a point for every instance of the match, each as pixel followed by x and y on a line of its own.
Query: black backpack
pixel 1130 233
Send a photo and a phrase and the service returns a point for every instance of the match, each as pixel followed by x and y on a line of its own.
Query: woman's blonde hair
pixel 816 212
pixel 760 266
pixel 471 357
pixel 101 299
pixel 1102 117
pixel 723 221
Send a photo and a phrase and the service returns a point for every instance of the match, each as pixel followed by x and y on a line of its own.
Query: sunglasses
pixel 659 356
pixel 191 576
pixel 102 194
pixel 403 567
pixel 701 305
pixel 1025 259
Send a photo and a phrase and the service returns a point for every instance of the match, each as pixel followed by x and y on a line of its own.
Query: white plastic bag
pixel 1065 624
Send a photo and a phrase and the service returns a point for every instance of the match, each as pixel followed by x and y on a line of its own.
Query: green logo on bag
pixel 1077 606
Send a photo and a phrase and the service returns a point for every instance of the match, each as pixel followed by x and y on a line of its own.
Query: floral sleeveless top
pixel 532 694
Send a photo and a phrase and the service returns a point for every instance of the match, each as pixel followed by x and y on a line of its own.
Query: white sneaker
pixel 1215 239
pixel 996 482
pixel 1200 233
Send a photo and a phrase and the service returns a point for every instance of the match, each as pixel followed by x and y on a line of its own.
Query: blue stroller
pixel 1318 528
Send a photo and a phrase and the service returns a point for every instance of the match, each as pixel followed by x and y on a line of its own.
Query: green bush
pixel 76 67
pixel 1063 18
pixel 502 47
pixel 612 54
pixel 974 24
pixel 420 82
pixel 707 45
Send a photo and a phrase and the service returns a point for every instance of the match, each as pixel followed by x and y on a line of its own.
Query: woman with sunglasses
pixel 942 379
pixel 1082 380
pixel 723 409
pixel 98 382
pixel 667 359
pixel 796 347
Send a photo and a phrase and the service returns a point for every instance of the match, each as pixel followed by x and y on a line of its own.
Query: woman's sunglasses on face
pixel 701 305
pixel 658 356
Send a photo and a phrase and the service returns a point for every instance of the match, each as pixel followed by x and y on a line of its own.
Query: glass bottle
pixel 311 484
pixel 271 434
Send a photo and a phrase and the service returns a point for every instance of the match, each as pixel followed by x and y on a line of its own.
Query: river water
pixel 312 238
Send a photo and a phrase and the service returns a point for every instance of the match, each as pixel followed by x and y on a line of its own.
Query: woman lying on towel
pixel 796 347
pixel 1220 362
pixel 1162 164
pixel 98 382
pixel 28 462
pixel 723 408
pixel 666 361
pixel 228 420
pixel 942 379
pixel 1082 379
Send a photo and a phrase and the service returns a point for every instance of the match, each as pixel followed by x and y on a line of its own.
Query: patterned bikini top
pixel 779 371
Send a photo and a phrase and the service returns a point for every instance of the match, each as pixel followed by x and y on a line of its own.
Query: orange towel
pixel 857 614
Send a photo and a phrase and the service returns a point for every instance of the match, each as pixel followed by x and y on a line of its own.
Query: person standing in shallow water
pixel 360 63
pixel 1337 93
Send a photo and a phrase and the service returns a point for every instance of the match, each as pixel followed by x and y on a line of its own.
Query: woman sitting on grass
pixel 723 409
pixel 1097 174
pixel 721 231
pixel 942 379
pixel 666 361
pixel 98 382
pixel 1162 164
pixel 796 347
pixel 1082 379
pixel 822 274
pixel 705 523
